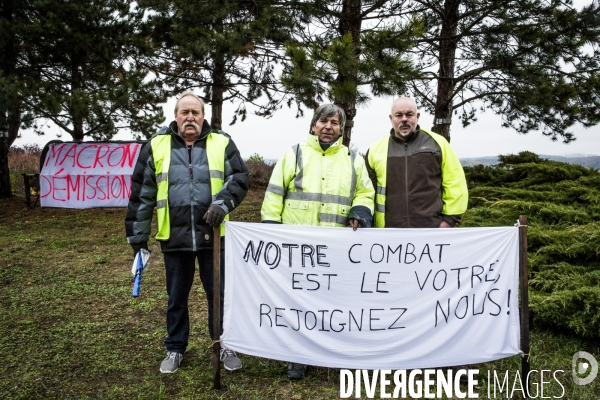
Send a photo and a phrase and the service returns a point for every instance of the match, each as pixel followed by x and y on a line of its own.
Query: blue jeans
pixel 180 267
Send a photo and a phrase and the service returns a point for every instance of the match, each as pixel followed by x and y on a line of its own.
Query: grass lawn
pixel 71 330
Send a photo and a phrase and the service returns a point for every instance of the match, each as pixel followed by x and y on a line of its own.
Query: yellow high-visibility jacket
pixel 182 182
pixel 311 186
pixel 432 185
pixel 216 144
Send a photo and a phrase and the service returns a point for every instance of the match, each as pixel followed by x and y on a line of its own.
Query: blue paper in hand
pixel 140 263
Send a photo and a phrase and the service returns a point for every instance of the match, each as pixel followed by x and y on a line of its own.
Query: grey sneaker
pixel 231 362
pixel 171 362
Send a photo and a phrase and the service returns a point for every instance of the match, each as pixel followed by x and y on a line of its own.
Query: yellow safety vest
pixel 216 144
pixel 452 195
pixel 310 186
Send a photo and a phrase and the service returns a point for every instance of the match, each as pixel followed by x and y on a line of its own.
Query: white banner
pixel 371 298
pixel 88 174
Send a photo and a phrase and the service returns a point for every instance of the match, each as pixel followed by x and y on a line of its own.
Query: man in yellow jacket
pixel 418 178
pixel 321 183
pixel 194 176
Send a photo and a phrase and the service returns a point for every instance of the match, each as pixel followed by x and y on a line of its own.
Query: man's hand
pixel 444 224
pixel 214 216
pixel 138 246
pixel 354 223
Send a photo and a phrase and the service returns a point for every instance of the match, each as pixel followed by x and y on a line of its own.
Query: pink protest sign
pixel 88 174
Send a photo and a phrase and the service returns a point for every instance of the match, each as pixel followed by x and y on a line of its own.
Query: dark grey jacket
pixel 189 191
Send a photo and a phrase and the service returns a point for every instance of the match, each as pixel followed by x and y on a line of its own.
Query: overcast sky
pixel 270 137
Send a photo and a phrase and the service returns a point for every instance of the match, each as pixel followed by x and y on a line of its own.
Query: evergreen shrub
pixel 562 205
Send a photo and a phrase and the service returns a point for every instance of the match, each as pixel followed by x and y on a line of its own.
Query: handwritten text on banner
pixel 85 175
pixel 372 298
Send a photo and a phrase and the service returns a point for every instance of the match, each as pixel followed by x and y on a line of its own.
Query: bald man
pixel 418 178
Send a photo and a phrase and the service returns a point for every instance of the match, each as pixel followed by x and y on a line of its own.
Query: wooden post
pixel 216 307
pixel 524 283
pixel 27 190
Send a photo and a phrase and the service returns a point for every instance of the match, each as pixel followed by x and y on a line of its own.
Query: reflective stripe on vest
pixel 300 195
pixel 161 150
pixel 216 144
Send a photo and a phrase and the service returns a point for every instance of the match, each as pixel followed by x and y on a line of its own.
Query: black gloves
pixel 137 246
pixel 361 214
pixel 214 216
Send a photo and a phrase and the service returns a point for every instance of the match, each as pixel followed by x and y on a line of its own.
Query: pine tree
pixel 77 64
pixel 91 83
pixel 533 62
pixel 348 46
pixel 15 78
pixel 226 48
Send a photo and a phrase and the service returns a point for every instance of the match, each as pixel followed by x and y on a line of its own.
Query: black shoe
pixel 297 371
pixel 463 378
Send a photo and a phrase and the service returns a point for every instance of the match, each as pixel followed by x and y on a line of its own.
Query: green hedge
pixel 562 205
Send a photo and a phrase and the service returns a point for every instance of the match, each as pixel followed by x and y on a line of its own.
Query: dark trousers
pixel 180 267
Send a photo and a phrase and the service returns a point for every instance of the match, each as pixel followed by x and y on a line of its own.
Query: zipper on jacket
pixel 189 150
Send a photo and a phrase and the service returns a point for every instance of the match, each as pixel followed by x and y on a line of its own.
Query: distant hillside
pixel 469 162
pixel 580 159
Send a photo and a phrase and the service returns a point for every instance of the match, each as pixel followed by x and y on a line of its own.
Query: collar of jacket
pixel 206 129
pixel 313 141
pixel 409 138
